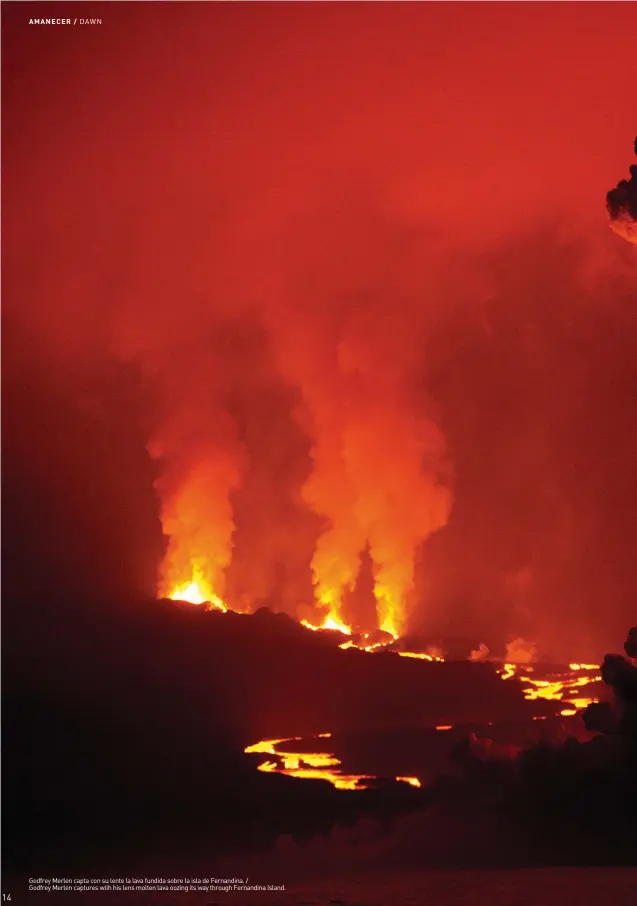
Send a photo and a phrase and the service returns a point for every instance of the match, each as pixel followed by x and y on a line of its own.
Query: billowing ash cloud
pixel 621 203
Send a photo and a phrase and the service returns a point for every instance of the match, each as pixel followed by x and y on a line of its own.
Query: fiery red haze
pixel 359 256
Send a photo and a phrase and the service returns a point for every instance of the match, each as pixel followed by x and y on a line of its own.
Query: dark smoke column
pixel 621 203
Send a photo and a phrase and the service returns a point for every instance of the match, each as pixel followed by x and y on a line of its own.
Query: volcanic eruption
pixel 378 481
pixel 319 448
pixel 621 203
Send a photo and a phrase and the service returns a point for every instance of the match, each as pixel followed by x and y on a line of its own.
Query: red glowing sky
pixel 452 105
pixel 183 152
pixel 481 118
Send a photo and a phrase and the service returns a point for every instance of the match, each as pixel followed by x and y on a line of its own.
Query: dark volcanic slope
pixel 256 676
pixel 124 718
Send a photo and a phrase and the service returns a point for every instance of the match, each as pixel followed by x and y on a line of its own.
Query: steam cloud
pixel 621 203
pixel 521 651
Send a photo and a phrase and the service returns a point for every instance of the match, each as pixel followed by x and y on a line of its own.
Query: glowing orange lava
pixel 197 591
pixel 421 655
pixel 311 765
pixel 412 781
pixel 556 686
pixel 330 622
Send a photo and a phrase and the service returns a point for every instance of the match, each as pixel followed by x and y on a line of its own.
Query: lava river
pixel 567 686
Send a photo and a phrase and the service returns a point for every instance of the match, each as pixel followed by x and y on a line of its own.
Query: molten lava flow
pixel 197 591
pixel 563 685
pixel 266 747
pixel 412 781
pixel 432 654
pixel 420 655
pixel 556 686
pixel 508 671
pixel 330 622
pixel 312 765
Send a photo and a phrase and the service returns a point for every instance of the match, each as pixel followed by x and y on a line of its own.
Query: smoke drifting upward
pixel 178 337
pixel 520 651
pixel 200 467
pixel 350 328
pixel 201 462
pixel 621 203
pixel 274 532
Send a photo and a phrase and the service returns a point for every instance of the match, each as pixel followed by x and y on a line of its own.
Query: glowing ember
pixel 557 689
pixel 444 727
pixel 312 765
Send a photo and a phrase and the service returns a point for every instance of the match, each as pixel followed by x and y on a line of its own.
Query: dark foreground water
pixel 524 887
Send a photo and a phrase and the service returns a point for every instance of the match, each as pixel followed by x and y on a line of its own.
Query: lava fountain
pixel 197 591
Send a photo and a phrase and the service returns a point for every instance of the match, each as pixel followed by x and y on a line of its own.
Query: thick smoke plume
pixel 200 465
pixel 350 329
pixel 621 203
pixel 345 329
pixel 194 436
